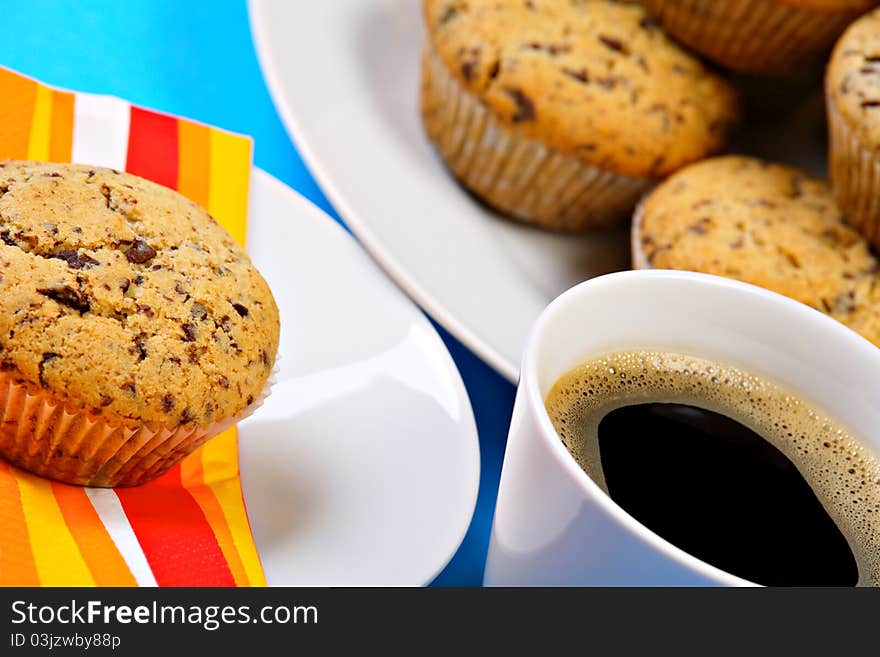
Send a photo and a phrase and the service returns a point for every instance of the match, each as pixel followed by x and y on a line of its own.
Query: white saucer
pixel 362 467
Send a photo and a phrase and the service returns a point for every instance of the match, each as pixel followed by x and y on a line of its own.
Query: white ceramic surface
pixel 553 524
pixel 344 75
pixel 362 467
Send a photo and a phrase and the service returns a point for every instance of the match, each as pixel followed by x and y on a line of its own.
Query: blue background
pixel 197 59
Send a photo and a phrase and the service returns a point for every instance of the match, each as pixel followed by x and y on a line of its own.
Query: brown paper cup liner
pixel 758 36
pixel 637 250
pixel 58 440
pixel 517 175
pixel 855 176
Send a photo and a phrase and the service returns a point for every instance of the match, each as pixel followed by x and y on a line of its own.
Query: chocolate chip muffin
pixel 758 36
pixel 132 326
pixel 765 224
pixel 852 94
pixel 563 114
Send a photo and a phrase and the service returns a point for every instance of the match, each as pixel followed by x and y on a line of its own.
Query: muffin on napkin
pixel 132 327
pixel 562 114
pixel 765 224
pixel 758 36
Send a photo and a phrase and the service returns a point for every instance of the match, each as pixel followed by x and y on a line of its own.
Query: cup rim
pixel 567 462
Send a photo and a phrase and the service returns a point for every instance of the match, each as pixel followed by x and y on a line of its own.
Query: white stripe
pixel 110 511
pixel 100 130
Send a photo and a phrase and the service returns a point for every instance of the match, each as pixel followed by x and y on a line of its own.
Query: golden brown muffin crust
pixel 765 224
pixel 592 78
pixel 123 296
pixel 853 78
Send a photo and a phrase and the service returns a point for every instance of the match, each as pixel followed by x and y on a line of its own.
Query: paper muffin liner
pixel 517 175
pixel 855 176
pixel 56 439
pixel 757 36
pixel 637 251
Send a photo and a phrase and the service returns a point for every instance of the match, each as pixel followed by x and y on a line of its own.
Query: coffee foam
pixel 843 473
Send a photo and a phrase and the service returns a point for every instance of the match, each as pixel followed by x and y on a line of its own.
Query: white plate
pixel 362 467
pixel 344 75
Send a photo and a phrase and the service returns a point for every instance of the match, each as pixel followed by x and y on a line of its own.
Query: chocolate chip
pixel 180 289
pixel 494 69
pixel 8 366
pixel 525 108
pixel 250 400
pixel 168 403
pixel 614 44
pixel 128 387
pixel 870 103
pixel 145 309
pixel 138 280
pixel 198 311
pixel 4 235
pixel 580 76
pixel 47 357
pixel 187 416
pixel 75 259
pixel 701 226
pixel 106 400
pixel 241 310
pixel 553 49
pixel 124 285
pixel 140 252
pixel 450 13
pixel 189 332
pixel 264 357
pixel 193 354
pixel 140 343
pixel 223 382
pixel 67 296
pixel 467 69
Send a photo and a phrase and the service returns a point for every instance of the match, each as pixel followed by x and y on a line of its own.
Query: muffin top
pixel 852 81
pixel 593 78
pixel 765 224
pixel 124 297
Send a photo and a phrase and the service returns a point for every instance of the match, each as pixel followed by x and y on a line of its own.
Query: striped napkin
pixel 189 527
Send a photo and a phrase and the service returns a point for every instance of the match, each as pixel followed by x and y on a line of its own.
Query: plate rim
pixel 388 263
pixel 324 222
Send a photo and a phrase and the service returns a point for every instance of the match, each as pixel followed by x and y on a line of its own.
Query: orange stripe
pixel 97 548
pixel 19 95
pixel 220 458
pixel 17 566
pixel 61 139
pixel 214 513
pixel 194 170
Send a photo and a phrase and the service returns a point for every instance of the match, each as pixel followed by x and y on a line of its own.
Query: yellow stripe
pixel 230 170
pixel 41 126
pixel 220 460
pixel 57 557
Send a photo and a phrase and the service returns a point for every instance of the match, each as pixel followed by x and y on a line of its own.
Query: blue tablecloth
pixel 197 59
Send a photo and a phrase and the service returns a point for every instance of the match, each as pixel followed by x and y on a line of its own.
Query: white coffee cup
pixel 553 525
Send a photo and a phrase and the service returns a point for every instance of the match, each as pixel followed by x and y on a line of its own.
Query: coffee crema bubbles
pixel 842 473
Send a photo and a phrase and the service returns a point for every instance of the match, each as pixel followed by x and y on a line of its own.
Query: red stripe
pixel 153 147
pixel 174 534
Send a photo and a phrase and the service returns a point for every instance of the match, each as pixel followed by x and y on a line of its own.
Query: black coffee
pixel 719 491
pixel 726 465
